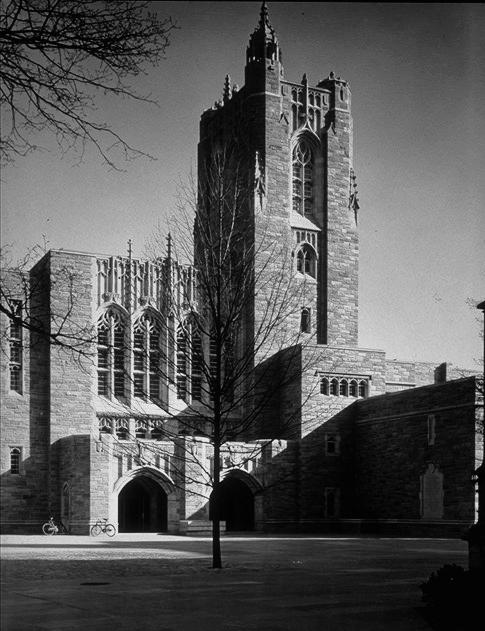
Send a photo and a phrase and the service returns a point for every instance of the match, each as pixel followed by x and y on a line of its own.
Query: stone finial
pixel 226 93
pixel 169 246
pixel 259 186
pixel 263 43
pixel 353 193
pixel 264 17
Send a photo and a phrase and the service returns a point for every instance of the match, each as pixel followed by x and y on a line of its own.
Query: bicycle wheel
pixel 110 530
pixel 96 530
pixel 48 529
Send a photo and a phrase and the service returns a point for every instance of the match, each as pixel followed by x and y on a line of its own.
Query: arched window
pixel 140 428
pixel 212 365
pixel 324 386
pixel 303 178
pixel 305 323
pixel 146 357
pixel 111 354
pixel 343 388
pixel 334 387
pixel 15 460
pixel 332 444
pixel 181 376
pixel 156 430
pixel 362 389
pixel 105 426
pixel 306 261
pixel 16 350
pixel 353 388
pixel 121 429
pixel 197 360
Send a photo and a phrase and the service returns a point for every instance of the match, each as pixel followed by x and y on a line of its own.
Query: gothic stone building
pixel 377 445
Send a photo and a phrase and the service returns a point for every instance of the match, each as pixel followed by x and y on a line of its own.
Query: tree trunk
pixel 216 508
pixel 216 542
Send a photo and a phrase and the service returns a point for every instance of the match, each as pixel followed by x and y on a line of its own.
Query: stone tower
pixel 294 141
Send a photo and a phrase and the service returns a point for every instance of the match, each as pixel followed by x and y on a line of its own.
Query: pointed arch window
pixel 197 364
pixel 16 350
pixel 15 460
pixel 353 388
pixel 146 357
pixel 324 386
pixel 305 321
pixel 111 354
pixel 181 376
pixel 362 389
pixel 302 178
pixel 306 261
pixel 122 429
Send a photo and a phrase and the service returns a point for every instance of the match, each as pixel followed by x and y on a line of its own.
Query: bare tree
pixel 233 365
pixel 57 56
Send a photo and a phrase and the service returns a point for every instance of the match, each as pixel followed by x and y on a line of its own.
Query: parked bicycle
pixel 102 526
pixel 51 528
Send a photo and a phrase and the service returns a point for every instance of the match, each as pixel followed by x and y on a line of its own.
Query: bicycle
pixel 102 526
pixel 51 528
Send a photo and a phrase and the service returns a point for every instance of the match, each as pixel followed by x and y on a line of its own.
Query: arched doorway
pixel 236 504
pixel 142 506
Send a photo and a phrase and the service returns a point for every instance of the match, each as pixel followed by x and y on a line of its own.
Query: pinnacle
pixel 264 23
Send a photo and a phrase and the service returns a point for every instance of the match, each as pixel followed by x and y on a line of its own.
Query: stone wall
pixel 72 377
pixel 24 422
pixel 399 435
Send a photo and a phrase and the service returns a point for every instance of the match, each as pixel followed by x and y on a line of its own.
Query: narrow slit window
pixel 305 323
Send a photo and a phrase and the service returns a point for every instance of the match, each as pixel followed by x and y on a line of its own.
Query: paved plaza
pixel 165 583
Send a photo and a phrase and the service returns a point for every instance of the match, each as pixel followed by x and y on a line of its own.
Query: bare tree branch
pixel 58 57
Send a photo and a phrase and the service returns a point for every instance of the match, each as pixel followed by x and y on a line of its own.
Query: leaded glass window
pixel 111 349
pixel 306 261
pixel 181 377
pixel 146 357
pixel 302 177
pixel 197 363
pixel 15 460
pixel 16 350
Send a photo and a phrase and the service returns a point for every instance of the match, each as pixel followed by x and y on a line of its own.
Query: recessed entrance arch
pixel 142 506
pixel 237 501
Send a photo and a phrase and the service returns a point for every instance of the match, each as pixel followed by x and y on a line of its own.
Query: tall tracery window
pixel 306 261
pixel 16 351
pixel 302 177
pixel 146 357
pixel 197 360
pixel 212 365
pixel 181 376
pixel 111 354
